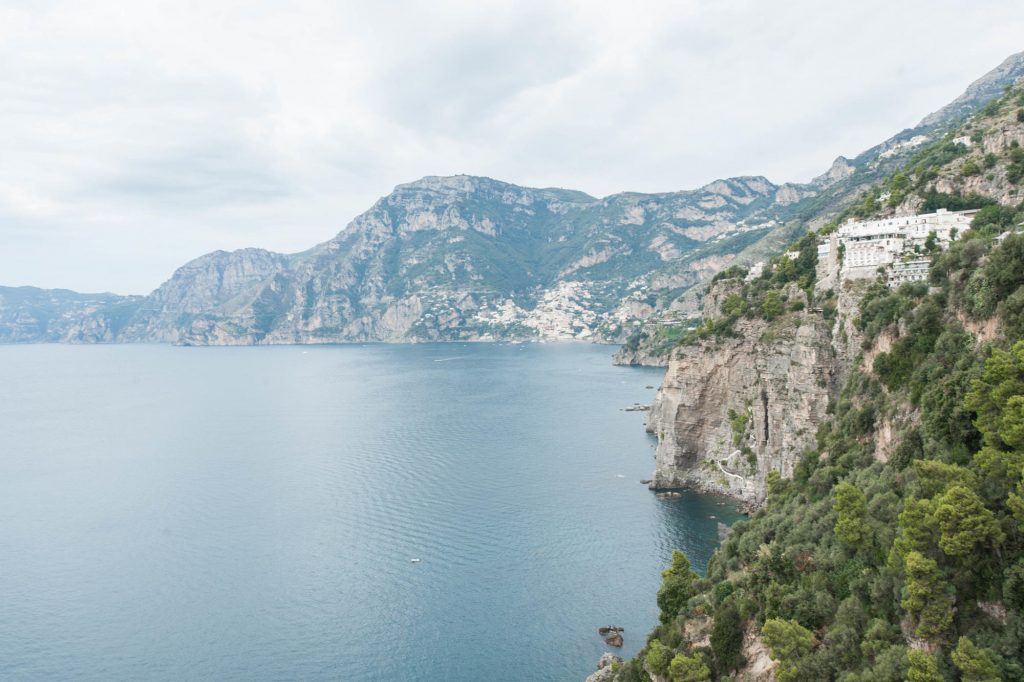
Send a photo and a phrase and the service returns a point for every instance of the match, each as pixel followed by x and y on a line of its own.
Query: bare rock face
pixel 605 674
pixel 732 410
pixel 759 665
pixel 217 284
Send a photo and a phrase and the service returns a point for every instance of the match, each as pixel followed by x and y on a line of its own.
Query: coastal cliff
pixel 733 409
pixel 874 421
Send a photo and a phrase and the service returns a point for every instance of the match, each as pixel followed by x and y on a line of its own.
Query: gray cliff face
pixel 218 283
pixel 776 377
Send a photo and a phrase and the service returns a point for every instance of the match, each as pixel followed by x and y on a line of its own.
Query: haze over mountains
pixel 471 258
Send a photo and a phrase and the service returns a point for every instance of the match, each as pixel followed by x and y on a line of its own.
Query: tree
pixel 676 586
pixel 975 664
pixel 658 657
pixel 935 476
pixel 689 669
pixel 788 642
pixel 923 667
pixel 1015 501
pixel 1000 472
pixel 925 596
pixel 964 522
pixel 1002 380
pixel 771 306
pixel 727 638
pixel 916 527
pixel 851 510
pixel 1013 586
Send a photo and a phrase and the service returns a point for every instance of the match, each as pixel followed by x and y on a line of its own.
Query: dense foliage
pixel 912 568
pixel 893 553
pixel 768 296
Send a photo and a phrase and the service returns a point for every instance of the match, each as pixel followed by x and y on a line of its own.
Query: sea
pixel 428 512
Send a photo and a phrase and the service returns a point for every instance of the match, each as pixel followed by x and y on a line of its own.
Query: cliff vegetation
pixel 893 549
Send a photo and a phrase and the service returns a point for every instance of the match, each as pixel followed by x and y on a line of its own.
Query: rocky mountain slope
pixel 887 541
pixel 457 258
pixel 745 393
pixel 31 315
pixel 469 258
pixel 846 183
pixel 474 259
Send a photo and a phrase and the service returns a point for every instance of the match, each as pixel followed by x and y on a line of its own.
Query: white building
pixel 756 270
pixel 914 270
pixel 874 244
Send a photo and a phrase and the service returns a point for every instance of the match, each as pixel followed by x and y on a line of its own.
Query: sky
pixel 135 136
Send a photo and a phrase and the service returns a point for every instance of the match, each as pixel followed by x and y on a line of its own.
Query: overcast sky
pixel 135 136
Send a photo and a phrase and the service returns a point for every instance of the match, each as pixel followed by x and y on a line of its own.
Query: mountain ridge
pixel 448 258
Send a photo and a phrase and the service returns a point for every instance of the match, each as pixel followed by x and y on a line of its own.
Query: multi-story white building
pixel 914 270
pixel 873 244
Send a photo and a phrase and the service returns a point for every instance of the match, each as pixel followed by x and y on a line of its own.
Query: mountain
pixel 876 434
pixel 471 258
pixel 462 257
pixel 31 315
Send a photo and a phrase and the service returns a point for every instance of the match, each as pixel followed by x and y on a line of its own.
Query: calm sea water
pixel 250 513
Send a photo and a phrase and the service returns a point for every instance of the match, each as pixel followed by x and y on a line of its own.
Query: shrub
pixel 676 586
pixel 727 638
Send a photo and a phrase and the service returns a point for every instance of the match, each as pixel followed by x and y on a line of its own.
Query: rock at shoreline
pixel 603 675
pixel 612 634
pixel 604 668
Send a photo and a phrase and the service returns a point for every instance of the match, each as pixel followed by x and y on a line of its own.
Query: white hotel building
pixel 890 243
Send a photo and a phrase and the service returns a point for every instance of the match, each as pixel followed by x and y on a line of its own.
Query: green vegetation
pixel 658 339
pixel 727 637
pixel 896 563
pixel 676 586
pixel 685 668
pixel 789 643
pixel 850 507
pixel 767 297
pixel 1015 171
pixel 738 422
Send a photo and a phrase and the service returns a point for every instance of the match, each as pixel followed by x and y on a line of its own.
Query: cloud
pixel 135 136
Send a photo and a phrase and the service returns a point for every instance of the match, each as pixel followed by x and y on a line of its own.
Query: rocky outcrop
pixel 758 666
pixel 641 356
pixel 217 284
pixel 605 668
pixel 734 409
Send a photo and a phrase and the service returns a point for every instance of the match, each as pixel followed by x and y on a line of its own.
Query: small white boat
pixel 414 561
